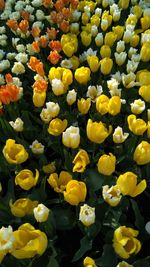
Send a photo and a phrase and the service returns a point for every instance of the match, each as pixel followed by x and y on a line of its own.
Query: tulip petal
pixel 139 188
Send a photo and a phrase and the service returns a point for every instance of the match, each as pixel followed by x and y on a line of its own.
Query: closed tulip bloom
pixel 145 52
pixel 71 137
pixel 53 109
pixel 125 242
pixel 29 242
pixel 38 97
pixel 106 65
pixel 59 183
pixel 71 97
pixel 93 62
pixel 106 164
pixel 26 179
pixel 97 131
pixel 110 38
pixel 22 207
pixel 136 126
pixel 41 213
pixel 49 168
pixel 138 106
pixel 112 195
pixel 144 92
pixel 75 192
pixel 89 262
pixel 142 153
pixel 105 51
pixel 14 153
pixel 17 125
pixel 102 104
pixel 57 126
pixel 7 241
pixel 118 135
pixel 87 215
pixel 123 4
pixel 143 77
pixel 81 160
pixel 86 38
pixel 84 105
pixel 114 105
pixel 82 75
pixel 118 30
pixel 127 184
pixel 145 22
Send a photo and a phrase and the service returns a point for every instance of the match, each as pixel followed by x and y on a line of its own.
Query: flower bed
pixel 75 130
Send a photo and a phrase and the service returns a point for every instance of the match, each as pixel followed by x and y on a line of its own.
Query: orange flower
pixel 54 57
pixel 12 24
pixel 54 16
pixel 35 46
pixel 74 3
pixel 8 78
pixel 33 62
pixel 40 69
pixel 47 3
pixel 66 13
pixel 25 14
pixel 59 5
pixel 52 32
pixel 55 45
pixel 64 26
pixel 2 4
pixel 40 85
pixel 24 25
pixel 59 17
pixel 35 31
pixel 4 95
pixel 43 41
pixel 9 93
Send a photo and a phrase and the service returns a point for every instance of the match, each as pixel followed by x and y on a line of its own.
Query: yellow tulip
pixel 75 192
pixel 54 73
pixel 82 75
pixel 136 126
pixel 142 153
pixel 57 126
pixel 145 22
pixel 137 11
pixel 89 262
pixel 106 17
pixel 106 164
pixel 114 105
pixel 144 92
pixel 127 183
pixel 110 38
pixel 145 52
pixel 143 77
pixel 29 242
pixel 93 62
pixel 67 77
pixel 123 4
pixel 81 160
pixel 86 38
pixel 84 105
pixel 85 18
pixel 125 242
pixel 75 62
pixel 49 168
pixel 106 65
pixel 59 183
pixel 118 30
pixel 14 153
pixel 26 180
pixel 105 51
pixel 102 104
pixel 134 40
pixel 97 131
pixel 22 207
pixel 95 20
pixel 38 97
pixel 69 44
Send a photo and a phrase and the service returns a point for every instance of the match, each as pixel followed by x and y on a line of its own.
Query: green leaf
pixel 94 180
pixel 108 257
pixel 64 217
pixel 85 245
pixel 52 262
pixel 139 220
pixel 141 263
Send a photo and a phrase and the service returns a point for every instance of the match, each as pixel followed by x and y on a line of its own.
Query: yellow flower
pixel 111 195
pixel 136 126
pixel 145 52
pixel 144 92
pixel 102 104
pixel 81 160
pixel 106 65
pixel 82 75
pixel 85 18
pixel 14 153
pixel 84 105
pixel 86 38
pixel 75 62
pixel 106 20
pixel 95 20
pixel 41 213
pixel 87 215
pixel 145 22
pixel 138 106
pixel 142 153
pixel 118 135
pixel 69 44
pixel 148 129
pixel 134 40
pixel 67 77
pixel 75 192
pixel 71 137
pixel 124 264
pixel 29 242
pixel 127 184
pixel 106 164
pixel 124 4
pixel 105 51
pixel 57 126
pixel 49 168
pixel 22 207
pixel 114 105
pixel 62 74
pixel 125 242
pixel 118 30
pixel 89 262
pixel 97 131
pixel 59 183
pixel 93 62
pixel 110 38
pixel 26 180
pixel 38 97
pixel 143 77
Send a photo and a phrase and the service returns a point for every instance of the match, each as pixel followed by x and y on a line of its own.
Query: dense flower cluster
pixel 75 132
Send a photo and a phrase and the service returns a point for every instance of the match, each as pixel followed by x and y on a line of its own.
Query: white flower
pixel 129 80
pixel 74 27
pixel 17 81
pixel 45 115
pixel 120 58
pixel 116 15
pixel 38 24
pixel 87 10
pixel 15 15
pixel 71 97
pixel 18 68
pixel 41 213
pixel 148 114
pixel 30 50
pixel 17 125
pixel 94 91
pixel 98 11
pixel 146 12
pixel 136 58
pixel 75 15
pixel 2 29
pixel 87 215
pixel 127 36
pixel 11 55
pixel 40 15
pixel 5 14
pixel 132 51
pixel 20 48
pixel 94 30
pixel 71 137
pixel 19 6
pixel 104 23
pixel 120 46
pixel 37 148
pixel 57 87
pixel 138 106
pixel 6 239
pixel 99 39
pixel 53 109
pixel 4 64
pixel 22 57
pixel 2 54
pixel 36 3
pixel 117 76
pixel 2 80
pixel 131 66
pixel 113 87
pixel 66 63
pixel 119 136
pixel 29 9
pixel 111 195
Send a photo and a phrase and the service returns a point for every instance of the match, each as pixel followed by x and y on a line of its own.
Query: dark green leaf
pixel 139 220
pixel 85 245
pixel 94 179
pixel 108 257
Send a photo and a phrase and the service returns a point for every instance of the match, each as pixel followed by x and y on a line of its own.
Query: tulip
pixel 14 153
pixel 82 75
pixel 81 160
pixel 106 65
pixel 114 105
pixel 22 207
pixel 97 131
pixel 71 137
pixel 87 215
pixel 41 213
pixel 57 126
pixel 112 195
pixel 59 183
pixel 106 164
pixel 142 153
pixel 26 180
pixel 84 105
pixel 75 192
pixel 136 126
